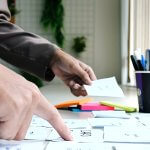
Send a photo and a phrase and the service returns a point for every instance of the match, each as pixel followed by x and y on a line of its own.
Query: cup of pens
pixel 142 74
pixel 143 90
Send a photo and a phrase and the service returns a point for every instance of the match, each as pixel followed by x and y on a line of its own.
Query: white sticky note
pixel 110 114
pixel 78 146
pixel 20 145
pixel 101 122
pixel 107 87
pixel 76 123
pixel 38 133
pixel 127 134
pixel 39 122
pixel 81 135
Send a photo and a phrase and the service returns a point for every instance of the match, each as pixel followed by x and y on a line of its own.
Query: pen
pixel 143 62
pixel 134 62
pixel 147 59
pixel 138 58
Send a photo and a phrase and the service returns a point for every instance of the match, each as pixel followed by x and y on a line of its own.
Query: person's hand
pixel 19 100
pixel 73 72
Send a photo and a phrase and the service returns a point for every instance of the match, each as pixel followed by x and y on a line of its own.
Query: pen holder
pixel 143 90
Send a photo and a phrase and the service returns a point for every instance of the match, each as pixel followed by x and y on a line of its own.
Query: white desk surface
pixel 58 93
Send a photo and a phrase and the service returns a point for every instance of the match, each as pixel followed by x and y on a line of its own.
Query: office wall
pixel 124 41
pixel 98 20
pixel 107 38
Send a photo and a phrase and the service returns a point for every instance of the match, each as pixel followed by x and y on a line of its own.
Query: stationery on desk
pixel 121 106
pixel 111 114
pixel 141 62
pixel 20 145
pixel 120 122
pixel 107 87
pixel 128 134
pixel 73 102
pixel 79 135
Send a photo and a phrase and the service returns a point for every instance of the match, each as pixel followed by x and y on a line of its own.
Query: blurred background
pixel 102 33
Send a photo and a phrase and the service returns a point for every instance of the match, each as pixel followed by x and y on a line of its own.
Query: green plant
pixel 12 7
pixel 79 44
pixel 53 16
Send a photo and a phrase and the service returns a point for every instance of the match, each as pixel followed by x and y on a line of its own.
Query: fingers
pixel 50 113
pixel 77 89
pixel 89 70
pixel 24 127
pixel 79 72
pixel 78 92
pixel 27 119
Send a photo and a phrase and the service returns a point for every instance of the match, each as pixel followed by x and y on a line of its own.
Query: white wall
pixel 107 38
pixel 124 41
pixel 102 18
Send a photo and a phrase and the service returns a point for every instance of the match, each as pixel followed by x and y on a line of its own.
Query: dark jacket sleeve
pixel 25 50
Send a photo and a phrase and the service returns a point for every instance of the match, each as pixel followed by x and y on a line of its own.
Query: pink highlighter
pixel 94 106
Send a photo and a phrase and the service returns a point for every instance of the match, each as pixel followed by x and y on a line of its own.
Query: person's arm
pixel 42 58
pixel 23 49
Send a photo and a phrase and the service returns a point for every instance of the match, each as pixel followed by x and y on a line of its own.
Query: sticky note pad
pixel 73 102
pixel 121 106
pixel 94 106
pixel 79 110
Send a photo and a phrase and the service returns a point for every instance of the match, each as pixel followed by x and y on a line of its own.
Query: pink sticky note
pixel 95 106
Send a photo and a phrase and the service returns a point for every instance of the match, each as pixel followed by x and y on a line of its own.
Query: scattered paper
pixel 111 114
pixel 14 145
pixel 77 123
pixel 129 146
pixel 39 122
pixel 83 135
pixel 79 135
pixel 78 146
pixel 38 133
pixel 71 123
pixel 107 87
pixel 101 122
pixel 126 134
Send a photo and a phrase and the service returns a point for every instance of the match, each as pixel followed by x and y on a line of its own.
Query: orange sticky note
pixel 73 102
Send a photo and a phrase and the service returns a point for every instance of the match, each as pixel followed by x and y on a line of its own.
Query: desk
pixel 59 93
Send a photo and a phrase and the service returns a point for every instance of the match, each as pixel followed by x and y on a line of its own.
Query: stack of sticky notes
pixel 120 106
pixel 69 103
pixel 94 106
pixel 83 104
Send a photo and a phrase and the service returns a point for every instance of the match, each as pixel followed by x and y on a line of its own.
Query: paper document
pixel 38 133
pixel 126 134
pixel 77 123
pixel 129 146
pixel 39 122
pixel 79 135
pixel 104 87
pixel 71 123
pixel 101 122
pixel 78 146
pixel 13 145
pixel 111 114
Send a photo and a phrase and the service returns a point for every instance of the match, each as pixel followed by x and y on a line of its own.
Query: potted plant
pixel 79 45
pixel 13 10
pixel 53 17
